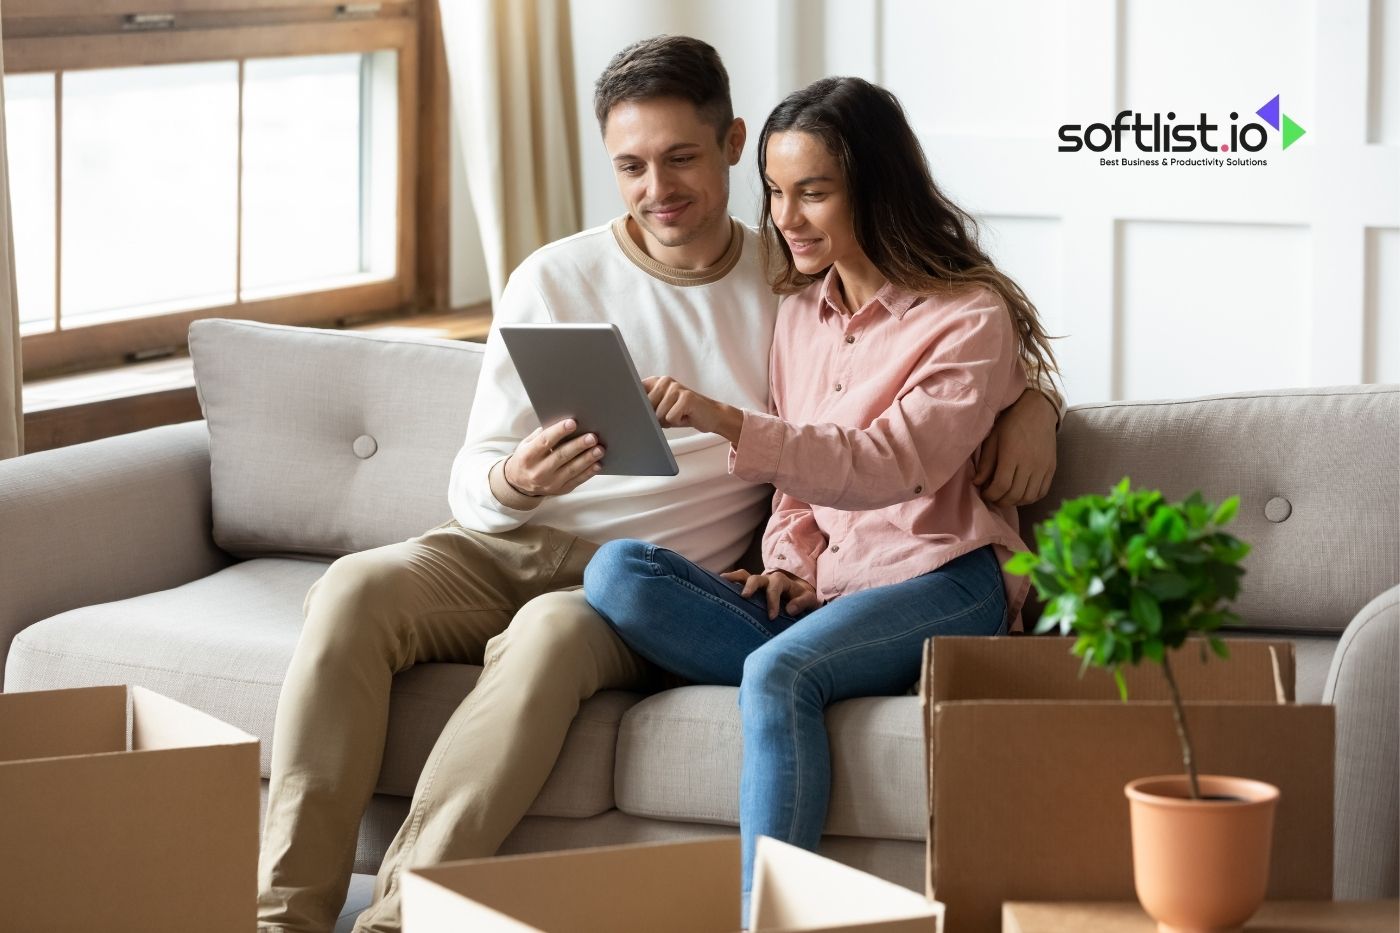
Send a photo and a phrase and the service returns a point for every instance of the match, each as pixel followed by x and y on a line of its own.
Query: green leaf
pixel 1153 650
pixel 1146 610
pixel 1167 585
pixel 1122 684
pixel 1220 648
pixel 1226 512
pixel 1020 564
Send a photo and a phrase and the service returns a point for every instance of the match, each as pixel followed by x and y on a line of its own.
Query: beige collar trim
pixel 682 277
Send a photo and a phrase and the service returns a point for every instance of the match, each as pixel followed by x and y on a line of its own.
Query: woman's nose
pixel 787 215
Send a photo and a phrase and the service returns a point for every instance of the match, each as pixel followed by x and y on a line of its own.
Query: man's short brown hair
pixel 667 66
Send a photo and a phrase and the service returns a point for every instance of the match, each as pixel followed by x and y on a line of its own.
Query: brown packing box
pixel 96 833
pixel 683 887
pixel 1027 765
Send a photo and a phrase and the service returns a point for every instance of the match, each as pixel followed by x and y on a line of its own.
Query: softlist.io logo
pixel 1215 144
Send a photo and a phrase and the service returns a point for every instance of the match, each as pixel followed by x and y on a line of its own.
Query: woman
pixel 893 355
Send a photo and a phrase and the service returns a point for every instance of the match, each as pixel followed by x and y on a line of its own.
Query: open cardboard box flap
pixel 159 833
pixel 1040 667
pixel 685 887
pixel 1026 789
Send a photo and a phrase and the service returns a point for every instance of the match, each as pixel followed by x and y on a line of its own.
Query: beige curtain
pixel 510 66
pixel 11 410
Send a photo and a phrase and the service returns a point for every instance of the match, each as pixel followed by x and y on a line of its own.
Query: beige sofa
pixel 178 558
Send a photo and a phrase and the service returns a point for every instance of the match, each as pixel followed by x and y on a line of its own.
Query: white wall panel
pixel 1384 90
pixel 990 68
pixel 1212 307
pixel 1190 54
pixel 1383 305
pixel 1031 251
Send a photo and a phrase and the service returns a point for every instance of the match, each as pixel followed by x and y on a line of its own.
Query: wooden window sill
pixel 89 406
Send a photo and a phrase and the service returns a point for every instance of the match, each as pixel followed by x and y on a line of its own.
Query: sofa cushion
pixel 1315 469
pixel 222 644
pixel 327 442
pixel 678 759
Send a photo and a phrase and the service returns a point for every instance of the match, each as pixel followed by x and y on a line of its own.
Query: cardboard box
pixel 685 887
pixel 1027 765
pixel 98 832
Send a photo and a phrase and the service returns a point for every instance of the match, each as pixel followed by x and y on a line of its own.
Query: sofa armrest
pixel 102 521
pixel 1364 685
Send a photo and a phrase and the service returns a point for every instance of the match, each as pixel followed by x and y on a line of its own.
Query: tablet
pixel 584 372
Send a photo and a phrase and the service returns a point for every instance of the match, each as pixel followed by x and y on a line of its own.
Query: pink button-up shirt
pixel 879 414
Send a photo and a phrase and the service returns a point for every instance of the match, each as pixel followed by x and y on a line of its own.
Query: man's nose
pixel 662 183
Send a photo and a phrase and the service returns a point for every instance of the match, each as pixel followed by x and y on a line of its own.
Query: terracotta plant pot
pixel 1201 866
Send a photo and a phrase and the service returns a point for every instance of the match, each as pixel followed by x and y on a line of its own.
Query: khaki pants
pixel 508 601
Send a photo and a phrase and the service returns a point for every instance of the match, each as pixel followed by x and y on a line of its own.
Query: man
pixel 498 586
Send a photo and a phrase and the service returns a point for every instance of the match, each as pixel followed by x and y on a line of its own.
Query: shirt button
pixel 838 387
pixel 918 489
pixel 835 548
pixel 850 338
pixel 780 557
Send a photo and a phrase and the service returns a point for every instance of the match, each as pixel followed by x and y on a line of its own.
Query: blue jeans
pixel 689 621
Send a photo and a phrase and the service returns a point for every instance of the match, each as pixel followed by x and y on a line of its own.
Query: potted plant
pixel 1135 577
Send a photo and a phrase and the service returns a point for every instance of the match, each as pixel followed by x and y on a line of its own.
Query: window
pixel 210 163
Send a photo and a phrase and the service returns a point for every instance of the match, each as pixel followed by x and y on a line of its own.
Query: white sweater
pixel 711 330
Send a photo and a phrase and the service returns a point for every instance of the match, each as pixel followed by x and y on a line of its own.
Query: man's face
pixel 672 170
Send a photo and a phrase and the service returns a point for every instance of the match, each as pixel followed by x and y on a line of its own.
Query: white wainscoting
pixel 1168 281
pixel 1165 281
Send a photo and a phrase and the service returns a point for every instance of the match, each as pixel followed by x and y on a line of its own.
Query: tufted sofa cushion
pixel 1317 475
pixel 325 442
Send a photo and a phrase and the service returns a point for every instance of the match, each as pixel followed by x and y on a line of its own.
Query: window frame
pixel 75 35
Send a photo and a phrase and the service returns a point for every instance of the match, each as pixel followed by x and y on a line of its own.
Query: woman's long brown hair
pixel 918 239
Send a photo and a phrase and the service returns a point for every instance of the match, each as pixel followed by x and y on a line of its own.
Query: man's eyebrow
pixel 627 156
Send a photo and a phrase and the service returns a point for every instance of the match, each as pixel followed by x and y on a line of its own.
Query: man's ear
pixel 734 140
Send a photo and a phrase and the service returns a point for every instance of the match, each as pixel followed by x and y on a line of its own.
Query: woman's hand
pixel 802 596
pixel 679 407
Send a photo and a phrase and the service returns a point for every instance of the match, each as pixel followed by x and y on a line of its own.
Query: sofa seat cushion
pixel 678 759
pixel 222 644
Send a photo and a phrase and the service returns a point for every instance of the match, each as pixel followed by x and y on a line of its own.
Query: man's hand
pixel 802 596
pixel 679 407
pixel 544 464
pixel 1016 462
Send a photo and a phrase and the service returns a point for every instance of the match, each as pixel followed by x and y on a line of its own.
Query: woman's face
pixel 808 200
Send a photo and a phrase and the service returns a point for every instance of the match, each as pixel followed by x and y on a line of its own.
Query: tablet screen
pixel 584 372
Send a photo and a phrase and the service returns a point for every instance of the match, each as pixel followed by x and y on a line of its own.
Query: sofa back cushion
pixel 324 442
pixel 1317 475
